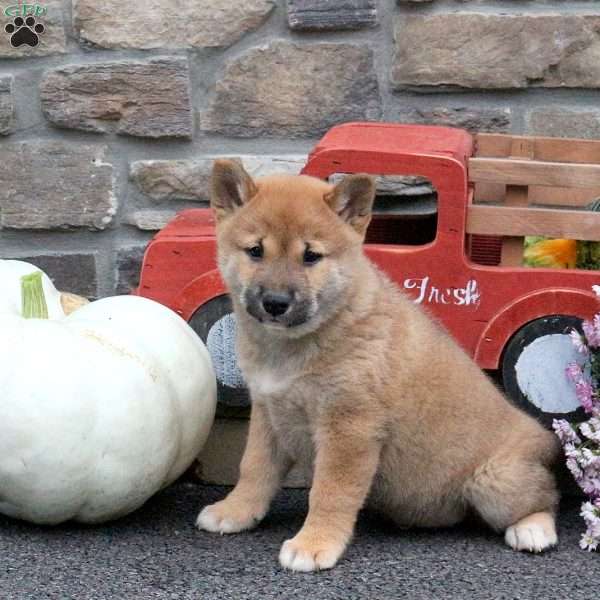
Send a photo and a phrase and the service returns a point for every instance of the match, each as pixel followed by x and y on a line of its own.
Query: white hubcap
pixel 541 373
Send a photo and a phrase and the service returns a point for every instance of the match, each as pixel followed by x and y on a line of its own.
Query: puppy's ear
pixel 352 199
pixel 231 187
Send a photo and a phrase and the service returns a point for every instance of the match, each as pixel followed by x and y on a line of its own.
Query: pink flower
pixel 596 322
pixel 578 342
pixel 584 392
pixel 591 429
pixel 590 513
pixel 591 329
pixel 571 450
pixel 575 469
pixel 565 432
pixel 588 542
pixel 590 484
pixel 588 459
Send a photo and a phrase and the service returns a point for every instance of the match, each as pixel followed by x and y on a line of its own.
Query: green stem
pixel 33 301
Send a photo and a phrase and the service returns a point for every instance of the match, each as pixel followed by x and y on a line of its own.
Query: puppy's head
pixel 288 245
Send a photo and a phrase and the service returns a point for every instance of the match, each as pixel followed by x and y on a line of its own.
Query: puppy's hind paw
pixel 534 533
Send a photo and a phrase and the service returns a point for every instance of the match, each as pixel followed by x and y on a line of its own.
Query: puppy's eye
pixel 310 257
pixel 255 252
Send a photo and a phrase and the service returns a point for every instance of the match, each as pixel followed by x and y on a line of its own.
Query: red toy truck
pixel 491 191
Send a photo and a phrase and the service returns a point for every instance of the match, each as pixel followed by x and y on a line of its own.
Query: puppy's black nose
pixel 276 303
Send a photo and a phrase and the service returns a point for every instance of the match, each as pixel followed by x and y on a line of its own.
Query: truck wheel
pixel 215 324
pixel 533 369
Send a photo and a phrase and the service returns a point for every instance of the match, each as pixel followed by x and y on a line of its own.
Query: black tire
pixel 562 324
pixel 201 322
pixel 554 324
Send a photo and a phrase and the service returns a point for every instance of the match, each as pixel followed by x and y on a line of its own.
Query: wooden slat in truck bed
pixel 542 149
pixel 518 221
pixel 514 171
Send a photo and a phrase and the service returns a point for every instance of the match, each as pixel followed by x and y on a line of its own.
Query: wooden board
pixel 544 148
pixel 495 193
pixel 512 247
pixel 219 461
pixel 575 197
pixel 518 221
pixel 516 195
pixel 512 171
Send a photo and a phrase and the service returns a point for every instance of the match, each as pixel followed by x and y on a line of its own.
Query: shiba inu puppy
pixel 348 374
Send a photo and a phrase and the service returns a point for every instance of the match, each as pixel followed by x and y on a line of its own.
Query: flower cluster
pixel 581 441
pixel 590 511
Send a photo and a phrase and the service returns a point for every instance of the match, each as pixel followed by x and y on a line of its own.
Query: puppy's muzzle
pixel 276 307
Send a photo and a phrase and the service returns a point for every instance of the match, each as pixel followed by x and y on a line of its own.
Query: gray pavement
pixel 157 553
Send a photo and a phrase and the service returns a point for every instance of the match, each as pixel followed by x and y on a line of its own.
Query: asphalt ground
pixel 157 553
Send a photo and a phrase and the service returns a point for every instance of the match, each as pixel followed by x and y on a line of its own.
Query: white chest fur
pixel 274 371
pixel 268 382
pixel 290 408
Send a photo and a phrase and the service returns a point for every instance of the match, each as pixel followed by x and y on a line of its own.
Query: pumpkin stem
pixel 33 300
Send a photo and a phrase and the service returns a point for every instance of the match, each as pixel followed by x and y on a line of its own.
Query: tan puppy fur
pixel 348 374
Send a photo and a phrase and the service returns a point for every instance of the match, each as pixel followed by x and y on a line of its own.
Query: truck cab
pixel 490 191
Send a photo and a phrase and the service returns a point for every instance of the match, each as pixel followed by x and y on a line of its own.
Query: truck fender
pixel 197 292
pixel 522 310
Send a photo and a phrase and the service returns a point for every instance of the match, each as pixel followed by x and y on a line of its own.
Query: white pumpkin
pixel 100 409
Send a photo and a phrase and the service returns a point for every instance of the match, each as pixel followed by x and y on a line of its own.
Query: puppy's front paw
pixel 534 533
pixel 227 517
pixel 302 554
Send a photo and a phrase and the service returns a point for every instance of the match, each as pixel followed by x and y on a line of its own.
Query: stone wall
pixel 109 124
